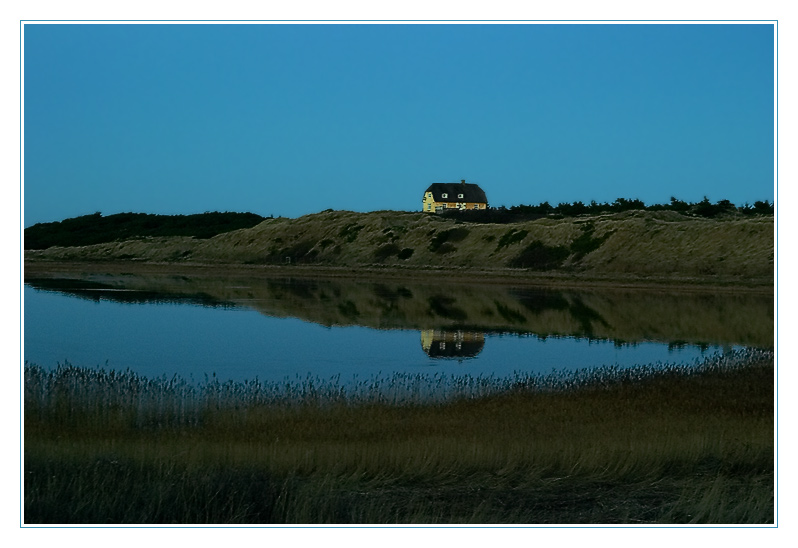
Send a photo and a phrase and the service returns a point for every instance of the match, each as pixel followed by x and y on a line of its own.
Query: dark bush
pixel 586 243
pixel 348 309
pixel 509 315
pixel 763 208
pixel 512 236
pixel 704 208
pixel 452 235
pixel 539 256
pixel 96 229
pixel 622 204
pixel 441 305
pixel 571 210
pixel 299 252
pixel 759 208
pixel 500 215
pixel 445 248
pixel 385 251
pixel 521 213
pixel 350 232
pixel 406 253
pixel 678 205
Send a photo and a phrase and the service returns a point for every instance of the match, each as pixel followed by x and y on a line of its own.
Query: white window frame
pixel 444 195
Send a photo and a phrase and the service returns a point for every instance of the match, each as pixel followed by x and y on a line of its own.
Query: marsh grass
pixel 651 444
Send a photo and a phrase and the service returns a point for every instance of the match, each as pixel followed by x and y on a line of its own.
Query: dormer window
pixel 459 195
pixel 444 195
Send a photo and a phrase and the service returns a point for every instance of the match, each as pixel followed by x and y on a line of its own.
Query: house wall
pixel 428 203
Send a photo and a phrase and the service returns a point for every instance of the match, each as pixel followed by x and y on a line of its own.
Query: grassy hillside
pixel 633 244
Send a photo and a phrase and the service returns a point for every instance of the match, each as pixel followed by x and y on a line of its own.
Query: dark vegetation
pixel 350 232
pixel 405 253
pixel 520 213
pixel 389 250
pixel 97 229
pixel 512 236
pixel 442 241
pixel 297 253
pixel 446 307
pixel 586 243
pixel 385 251
pixel 651 444
pixel 539 256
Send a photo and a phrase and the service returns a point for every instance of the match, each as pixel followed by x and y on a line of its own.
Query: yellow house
pixel 462 195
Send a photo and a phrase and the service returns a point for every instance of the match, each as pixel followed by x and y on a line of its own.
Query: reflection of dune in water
pixel 628 315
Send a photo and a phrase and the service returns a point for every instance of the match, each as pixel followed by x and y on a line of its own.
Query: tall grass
pixel 68 389
pixel 652 444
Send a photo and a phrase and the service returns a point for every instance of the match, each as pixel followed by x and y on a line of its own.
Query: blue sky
pixel 293 119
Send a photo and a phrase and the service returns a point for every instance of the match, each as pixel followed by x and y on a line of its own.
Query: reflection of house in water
pixel 451 344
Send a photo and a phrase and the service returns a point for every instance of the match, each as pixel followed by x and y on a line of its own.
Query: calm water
pixel 272 329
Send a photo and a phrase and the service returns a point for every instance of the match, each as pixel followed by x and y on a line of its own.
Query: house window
pixel 459 195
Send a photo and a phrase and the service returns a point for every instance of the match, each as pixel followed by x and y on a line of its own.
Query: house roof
pixel 470 192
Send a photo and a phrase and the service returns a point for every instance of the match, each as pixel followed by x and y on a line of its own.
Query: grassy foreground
pixel 647 445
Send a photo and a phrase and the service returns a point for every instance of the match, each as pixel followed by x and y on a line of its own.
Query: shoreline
pixel 50 269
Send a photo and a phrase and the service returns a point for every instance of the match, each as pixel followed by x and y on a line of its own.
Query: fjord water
pixel 275 329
